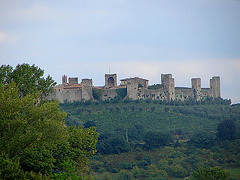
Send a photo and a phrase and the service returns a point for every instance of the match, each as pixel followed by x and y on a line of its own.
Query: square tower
pixel 110 80
pixel 64 79
pixel 215 86
pixel 168 84
pixel 196 87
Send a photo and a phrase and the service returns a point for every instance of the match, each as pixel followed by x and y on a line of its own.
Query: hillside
pixel 123 150
pixel 117 116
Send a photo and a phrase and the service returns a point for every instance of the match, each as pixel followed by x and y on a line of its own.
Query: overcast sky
pixel 143 38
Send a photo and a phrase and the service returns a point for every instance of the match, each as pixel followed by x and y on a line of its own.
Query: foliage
pixel 37 159
pixel 112 145
pixel 97 93
pixel 28 122
pixel 169 161
pixel 121 92
pixel 124 175
pixel 202 139
pixel 89 124
pixel 157 139
pixel 28 78
pixel 226 130
pixel 209 173
pixel 35 142
pixel 82 145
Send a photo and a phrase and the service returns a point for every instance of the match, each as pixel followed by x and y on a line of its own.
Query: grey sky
pixel 197 38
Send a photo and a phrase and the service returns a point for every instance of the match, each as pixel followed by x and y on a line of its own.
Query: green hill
pixel 117 116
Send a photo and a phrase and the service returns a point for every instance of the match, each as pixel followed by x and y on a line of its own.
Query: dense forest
pixel 146 139
pixel 115 139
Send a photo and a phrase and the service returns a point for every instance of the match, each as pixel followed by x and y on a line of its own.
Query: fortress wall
pixel 206 92
pixel 66 95
pixel 109 94
pixel 182 94
pixel 155 94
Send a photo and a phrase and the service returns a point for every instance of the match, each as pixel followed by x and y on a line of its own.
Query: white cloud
pixel 7 38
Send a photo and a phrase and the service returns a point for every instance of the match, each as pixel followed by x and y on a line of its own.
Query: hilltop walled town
pixel 134 88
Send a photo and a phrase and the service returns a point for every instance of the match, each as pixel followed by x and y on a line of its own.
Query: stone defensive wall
pixel 133 88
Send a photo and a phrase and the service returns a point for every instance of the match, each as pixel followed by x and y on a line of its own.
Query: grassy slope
pixel 108 119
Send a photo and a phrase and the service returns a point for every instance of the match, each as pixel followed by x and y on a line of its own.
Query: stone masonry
pixel 136 88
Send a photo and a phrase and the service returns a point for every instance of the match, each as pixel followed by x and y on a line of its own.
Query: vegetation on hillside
pixel 155 139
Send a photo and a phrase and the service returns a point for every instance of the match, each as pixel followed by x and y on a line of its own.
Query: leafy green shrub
pixel 137 101
pixel 124 175
pixel 148 100
pixel 226 130
pixel 87 103
pixel 138 172
pixel 143 164
pixel 202 140
pixel 157 139
pixel 127 165
pixel 97 93
pixel 133 108
pixel 153 171
pixel 37 160
pixel 115 170
pixel 97 166
pixel 152 108
pixel 114 145
pixel 177 171
pixel 118 108
pixel 209 173
pixel 127 100
pixel 89 124
pixel 125 108
pixel 121 92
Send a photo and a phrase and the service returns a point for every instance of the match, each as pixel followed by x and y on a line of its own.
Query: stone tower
pixel 73 80
pixel 110 80
pixel 169 88
pixel 132 89
pixel 196 87
pixel 215 86
pixel 64 79
pixel 87 89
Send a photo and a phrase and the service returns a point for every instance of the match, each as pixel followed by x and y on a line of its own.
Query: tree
pixel 157 139
pixel 209 173
pixel 89 124
pixel 202 140
pixel 226 130
pixel 34 140
pixel 28 78
pixel 113 145
pixel 25 122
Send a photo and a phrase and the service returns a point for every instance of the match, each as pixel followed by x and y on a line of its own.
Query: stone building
pixel 136 88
